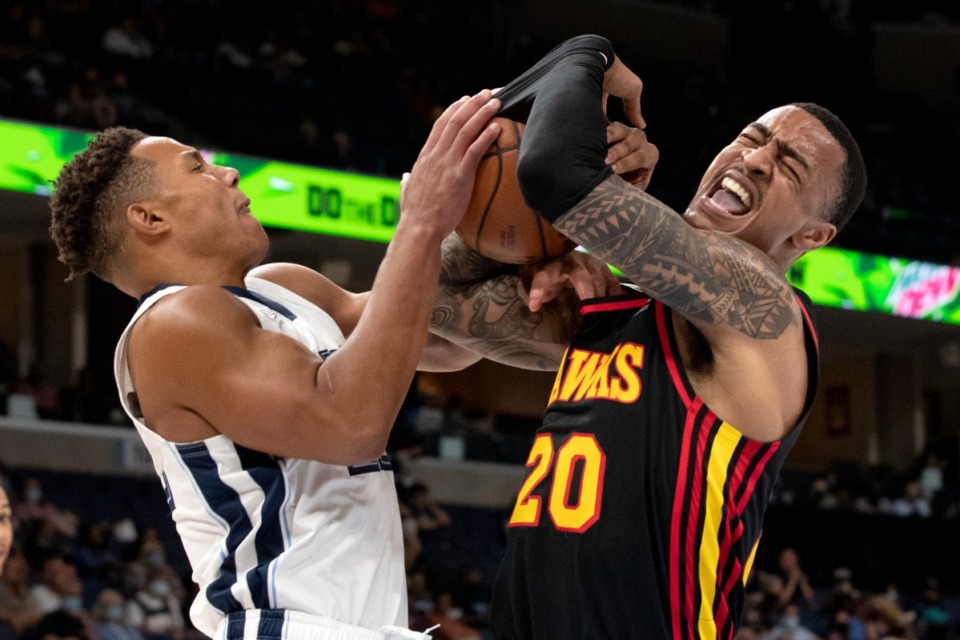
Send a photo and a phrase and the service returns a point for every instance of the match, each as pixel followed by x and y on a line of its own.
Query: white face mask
pixel 160 588
pixel 72 603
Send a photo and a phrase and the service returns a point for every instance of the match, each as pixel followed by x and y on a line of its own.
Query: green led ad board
pixel 869 282
pixel 315 200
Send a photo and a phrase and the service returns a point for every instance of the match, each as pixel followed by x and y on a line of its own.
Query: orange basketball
pixel 498 223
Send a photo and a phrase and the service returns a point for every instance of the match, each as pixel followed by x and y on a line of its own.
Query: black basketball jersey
pixel 641 510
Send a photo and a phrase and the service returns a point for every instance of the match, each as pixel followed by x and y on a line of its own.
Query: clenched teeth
pixel 731 185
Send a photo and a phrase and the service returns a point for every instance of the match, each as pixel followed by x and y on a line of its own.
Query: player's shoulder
pixel 193 310
pixel 284 273
pixel 303 281
pixel 313 286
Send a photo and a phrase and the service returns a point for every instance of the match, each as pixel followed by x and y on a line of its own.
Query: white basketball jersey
pixel 263 532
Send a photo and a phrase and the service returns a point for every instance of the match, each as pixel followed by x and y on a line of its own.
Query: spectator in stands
pixel 6 526
pixel 789 627
pixel 88 106
pixel 886 620
pixel 841 613
pixel 154 608
pixel 46 396
pixel 932 616
pixel 153 557
pixel 412 543
pixel 419 599
pixel 60 599
pixel 59 586
pixel 16 607
pixel 448 617
pixel 912 502
pixel 96 562
pixel 32 508
pixel 429 514
pixel 796 585
pixel 472 596
pixel 126 39
pixel 109 616
pixel 931 479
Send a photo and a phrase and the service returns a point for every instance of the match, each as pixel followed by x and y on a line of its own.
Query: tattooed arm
pixel 711 278
pixel 736 318
pixel 479 308
pixel 739 323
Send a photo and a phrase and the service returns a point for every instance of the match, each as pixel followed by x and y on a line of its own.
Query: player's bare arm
pixel 203 366
pixel 711 278
pixel 272 394
pixel 521 317
pixel 743 345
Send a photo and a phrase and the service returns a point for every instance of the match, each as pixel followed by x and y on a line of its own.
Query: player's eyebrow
pixel 784 149
pixel 193 154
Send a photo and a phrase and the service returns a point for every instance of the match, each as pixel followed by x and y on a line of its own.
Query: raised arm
pixel 714 280
pixel 202 365
pixel 743 335
pixel 480 308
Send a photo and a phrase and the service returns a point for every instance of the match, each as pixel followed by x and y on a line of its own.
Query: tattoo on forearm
pixel 708 277
pixel 490 318
pixel 461 265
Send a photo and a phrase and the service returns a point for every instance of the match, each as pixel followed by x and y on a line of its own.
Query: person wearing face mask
pixel 110 617
pixel 154 608
pixel 153 557
pixel 70 620
pixel 59 585
pixel 32 508
pixel 16 607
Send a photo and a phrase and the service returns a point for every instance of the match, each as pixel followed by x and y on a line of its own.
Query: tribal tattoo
pixel 708 277
pixel 489 317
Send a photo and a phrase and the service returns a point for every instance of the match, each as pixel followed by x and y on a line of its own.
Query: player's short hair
pixel 853 184
pixel 90 194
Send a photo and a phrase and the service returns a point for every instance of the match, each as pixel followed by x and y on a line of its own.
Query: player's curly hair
pixel 90 193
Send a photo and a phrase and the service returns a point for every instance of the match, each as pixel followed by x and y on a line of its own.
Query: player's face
pixel 771 183
pixel 6 527
pixel 203 203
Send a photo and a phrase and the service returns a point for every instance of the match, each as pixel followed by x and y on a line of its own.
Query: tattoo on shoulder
pixel 708 277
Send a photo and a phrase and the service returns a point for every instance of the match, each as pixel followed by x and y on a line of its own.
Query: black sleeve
pixel 565 141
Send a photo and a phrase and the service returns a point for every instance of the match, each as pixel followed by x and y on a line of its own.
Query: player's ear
pixel 146 220
pixel 814 235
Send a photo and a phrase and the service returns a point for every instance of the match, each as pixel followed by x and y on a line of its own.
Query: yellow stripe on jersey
pixel 749 566
pixel 724 445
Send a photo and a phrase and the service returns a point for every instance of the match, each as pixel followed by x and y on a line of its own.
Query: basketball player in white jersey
pixel 266 395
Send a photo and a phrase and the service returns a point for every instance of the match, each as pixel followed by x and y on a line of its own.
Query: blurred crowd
pixel 356 85
pixel 67 577
pixel 783 603
pixel 70 576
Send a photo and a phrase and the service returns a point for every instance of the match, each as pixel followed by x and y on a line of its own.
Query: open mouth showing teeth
pixel 732 197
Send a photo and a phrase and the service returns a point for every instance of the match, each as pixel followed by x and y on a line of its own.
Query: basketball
pixel 498 223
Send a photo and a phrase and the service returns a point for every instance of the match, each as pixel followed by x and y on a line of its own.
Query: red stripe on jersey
pixel 679 505
pixel 757 472
pixel 670 356
pixel 694 507
pixel 614 306
pixel 810 325
pixel 731 536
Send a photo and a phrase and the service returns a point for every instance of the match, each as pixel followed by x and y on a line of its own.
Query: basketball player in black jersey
pixel 675 405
